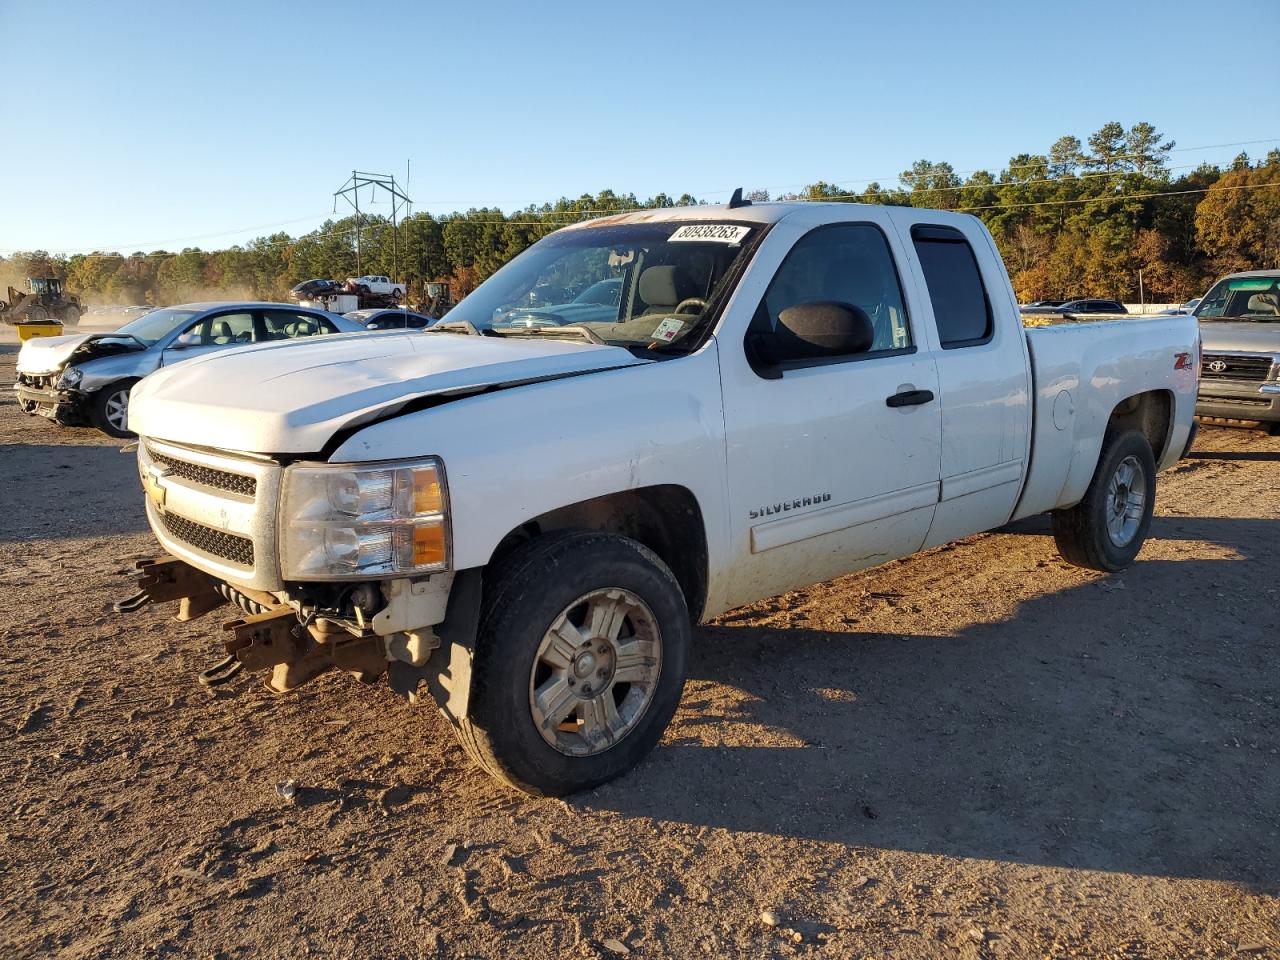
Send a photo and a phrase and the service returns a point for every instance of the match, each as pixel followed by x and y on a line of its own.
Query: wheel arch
pixel 1151 414
pixel 666 518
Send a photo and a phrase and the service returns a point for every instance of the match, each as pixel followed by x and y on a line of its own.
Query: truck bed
pixel 1080 372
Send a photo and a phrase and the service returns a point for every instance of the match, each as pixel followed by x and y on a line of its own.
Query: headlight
pixel 70 378
pixel 343 522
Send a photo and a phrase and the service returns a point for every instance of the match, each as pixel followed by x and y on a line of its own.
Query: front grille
pixel 35 382
pixel 1227 366
pixel 216 543
pixel 206 476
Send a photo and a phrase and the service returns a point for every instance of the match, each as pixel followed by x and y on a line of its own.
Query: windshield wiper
pixel 459 326
pixel 585 332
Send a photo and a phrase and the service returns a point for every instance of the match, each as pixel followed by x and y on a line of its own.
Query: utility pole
pixel 350 191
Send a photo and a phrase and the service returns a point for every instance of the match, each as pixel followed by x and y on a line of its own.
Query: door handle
pixel 909 398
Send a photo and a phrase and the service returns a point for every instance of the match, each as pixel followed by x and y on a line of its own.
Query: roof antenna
pixel 737 201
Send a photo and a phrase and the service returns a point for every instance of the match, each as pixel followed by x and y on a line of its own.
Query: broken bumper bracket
pixel 168 579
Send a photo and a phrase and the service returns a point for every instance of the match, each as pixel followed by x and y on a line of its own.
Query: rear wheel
pixel 110 409
pixel 70 316
pixel 1106 529
pixel 579 662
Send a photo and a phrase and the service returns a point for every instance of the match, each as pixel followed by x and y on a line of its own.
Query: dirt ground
pixel 976 752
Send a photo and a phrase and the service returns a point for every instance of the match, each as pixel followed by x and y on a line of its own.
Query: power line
pixel 551 217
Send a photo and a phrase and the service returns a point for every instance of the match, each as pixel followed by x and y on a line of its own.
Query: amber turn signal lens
pixel 427 497
pixel 428 544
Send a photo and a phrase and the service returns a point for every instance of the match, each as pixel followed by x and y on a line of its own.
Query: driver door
pixel 833 463
pixel 211 333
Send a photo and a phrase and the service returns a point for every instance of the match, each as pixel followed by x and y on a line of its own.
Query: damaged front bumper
pixel 39 396
pixel 425 632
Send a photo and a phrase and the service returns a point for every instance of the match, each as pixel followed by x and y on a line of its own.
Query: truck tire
pixel 1106 529
pixel 579 662
pixel 109 409
pixel 70 316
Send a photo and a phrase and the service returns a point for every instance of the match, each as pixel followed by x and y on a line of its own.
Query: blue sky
pixel 203 124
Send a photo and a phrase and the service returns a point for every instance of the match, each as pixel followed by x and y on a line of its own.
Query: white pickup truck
pixel 376 284
pixel 531 521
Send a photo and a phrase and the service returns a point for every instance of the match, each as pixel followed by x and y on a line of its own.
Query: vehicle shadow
pixel 1263 455
pixel 69 491
pixel 1249 537
pixel 1105 729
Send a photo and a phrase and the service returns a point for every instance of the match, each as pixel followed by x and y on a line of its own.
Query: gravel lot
pixel 977 752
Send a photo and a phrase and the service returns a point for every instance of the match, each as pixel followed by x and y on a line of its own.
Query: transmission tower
pixel 350 191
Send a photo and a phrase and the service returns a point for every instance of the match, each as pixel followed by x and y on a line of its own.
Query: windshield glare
pixel 155 325
pixel 1242 298
pixel 632 285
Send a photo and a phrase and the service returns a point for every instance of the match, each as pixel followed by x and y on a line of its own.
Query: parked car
pixel 1043 303
pixel 597 303
pixel 1077 307
pixel 310 289
pixel 376 284
pixel 88 379
pixel 389 319
pixel 1240 338
pixel 530 521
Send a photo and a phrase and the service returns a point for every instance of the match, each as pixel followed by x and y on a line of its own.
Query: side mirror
pixel 188 339
pixel 815 331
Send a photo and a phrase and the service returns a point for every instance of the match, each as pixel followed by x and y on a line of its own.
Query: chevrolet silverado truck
pixel 531 521
pixel 1240 370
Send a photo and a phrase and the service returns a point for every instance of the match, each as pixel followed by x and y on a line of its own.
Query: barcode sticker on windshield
pixel 710 233
pixel 668 330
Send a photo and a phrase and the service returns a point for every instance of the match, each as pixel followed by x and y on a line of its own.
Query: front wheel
pixel 110 409
pixel 579 663
pixel 1106 529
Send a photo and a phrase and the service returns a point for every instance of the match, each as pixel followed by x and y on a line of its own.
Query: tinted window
pixel 960 303
pixel 850 263
pixel 288 325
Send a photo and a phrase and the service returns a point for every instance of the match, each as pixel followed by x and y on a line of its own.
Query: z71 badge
pixel 786 506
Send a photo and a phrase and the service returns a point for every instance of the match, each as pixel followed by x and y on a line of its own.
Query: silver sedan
pixel 86 378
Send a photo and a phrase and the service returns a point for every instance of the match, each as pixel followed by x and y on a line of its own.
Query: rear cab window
pixel 961 306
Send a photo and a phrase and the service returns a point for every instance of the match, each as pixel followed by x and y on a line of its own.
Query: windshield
pixel 152 326
pixel 1242 298
pixel 639 285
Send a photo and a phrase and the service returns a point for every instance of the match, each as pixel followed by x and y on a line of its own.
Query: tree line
pixel 1102 218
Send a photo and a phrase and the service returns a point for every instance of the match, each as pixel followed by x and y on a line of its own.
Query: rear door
pixel 982 371
pixel 825 477
pixel 285 324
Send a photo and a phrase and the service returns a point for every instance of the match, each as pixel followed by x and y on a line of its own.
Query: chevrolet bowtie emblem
pixel 151 478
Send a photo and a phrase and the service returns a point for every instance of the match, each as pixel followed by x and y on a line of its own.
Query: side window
pixel 223 329
pixel 289 325
pixel 960 303
pixel 847 263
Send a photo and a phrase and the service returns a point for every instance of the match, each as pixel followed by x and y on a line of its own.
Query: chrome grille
pixel 216 543
pixel 1230 366
pixel 206 476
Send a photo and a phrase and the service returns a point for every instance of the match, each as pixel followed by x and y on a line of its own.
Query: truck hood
pixel 292 397
pixel 44 355
pixel 1219 336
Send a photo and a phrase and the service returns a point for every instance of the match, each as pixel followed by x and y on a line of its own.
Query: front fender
pixel 124 366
